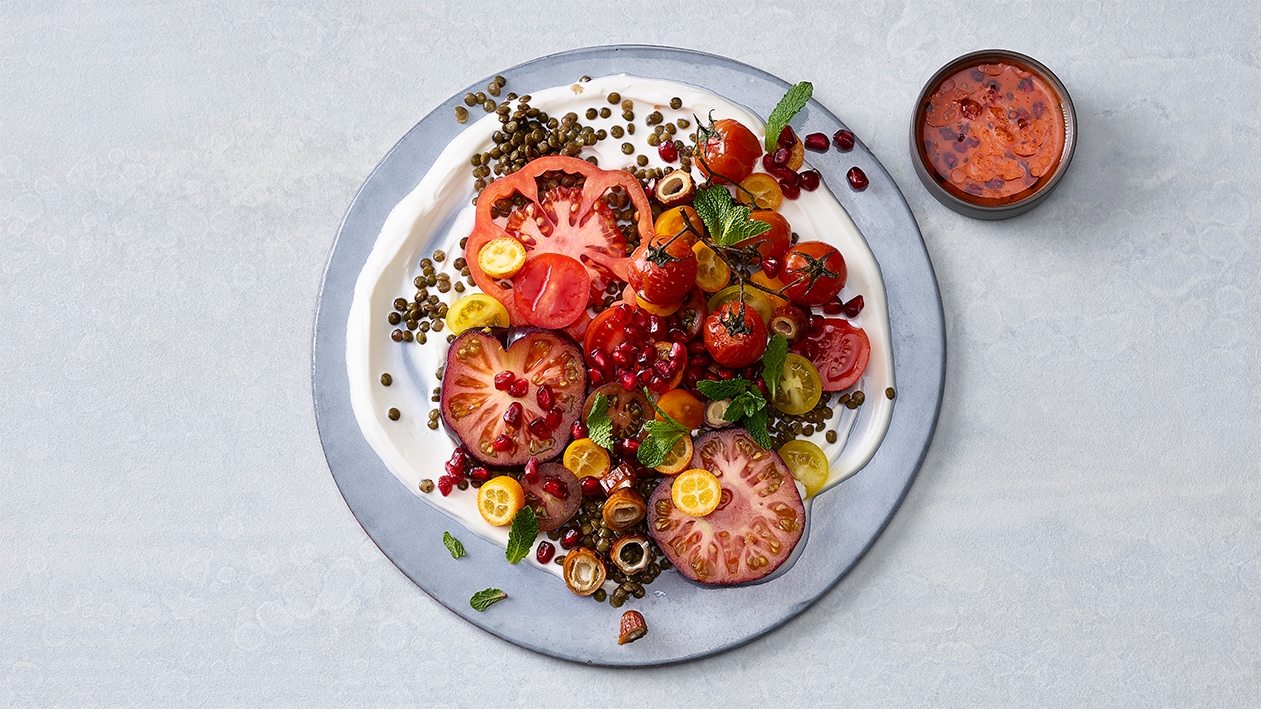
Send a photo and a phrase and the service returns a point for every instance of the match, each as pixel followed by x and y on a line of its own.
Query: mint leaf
pixel 722 388
pixel 599 427
pixel 487 598
pixel 525 527
pixel 792 102
pixel 728 223
pixel 756 426
pixel 652 450
pixel 711 203
pixel 773 362
pixel 744 405
pixel 453 545
pixel 737 226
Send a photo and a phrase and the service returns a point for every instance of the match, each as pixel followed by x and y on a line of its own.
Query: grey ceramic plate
pixel 685 621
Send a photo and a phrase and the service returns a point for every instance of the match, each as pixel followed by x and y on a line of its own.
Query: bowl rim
pixel 1011 209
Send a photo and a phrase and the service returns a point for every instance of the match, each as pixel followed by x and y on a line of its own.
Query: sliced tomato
pixel 838 350
pixel 572 221
pixel 607 330
pixel 551 290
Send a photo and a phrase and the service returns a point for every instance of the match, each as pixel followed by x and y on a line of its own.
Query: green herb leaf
pixel 525 528
pixel 653 451
pixel 599 427
pixel 744 405
pixel 792 102
pixel 711 203
pixel 728 223
pixel 453 545
pixel 486 598
pixel 756 426
pixel 722 388
pixel 773 362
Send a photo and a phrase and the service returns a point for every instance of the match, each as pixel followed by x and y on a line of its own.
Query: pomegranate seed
pixel 512 417
pixel 445 483
pixel 571 538
pixel 786 137
pixel 621 358
pixel 479 474
pixel 600 360
pixel 843 140
pixel 639 317
pixel 725 373
pixel 538 428
pixel 531 474
pixel 554 418
pixel 621 315
pixel 504 379
pixel 597 377
pixel 591 486
pixel 766 161
pixel 691 375
pixel 636 332
pixel 677 334
pixel 555 488
pixel 791 190
pixel 771 266
pixel 545 398
pixel 668 151
pixel 810 180
pixel 519 388
pixel 656 326
pixel 645 376
pixel 780 157
pixel 677 353
pixel 815 325
pixel 854 306
pixel 627 380
pixel 578 430
pixel 790 178
pixel 761 386
pixel 696 347
pixel 644 357
pixel 455 465
pixel 833 307
pixel 701 360
pixel 628 447
pixel 545 552
pixel 817 142
pixel 780 172
pixel 661 368
pixel 857 179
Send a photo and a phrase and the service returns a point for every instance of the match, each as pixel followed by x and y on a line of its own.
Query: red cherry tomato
pixel 729 152
pixel 839 351
pixel 814 272
pixel 662 270
pixel 735 335
pixel 773 243
pixel 551 290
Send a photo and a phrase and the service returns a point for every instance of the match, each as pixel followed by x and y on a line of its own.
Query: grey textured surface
pixel 1084 530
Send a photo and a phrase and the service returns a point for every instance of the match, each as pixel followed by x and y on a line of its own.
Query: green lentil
pixel 386 379
pixel 394 318
pixel 394 414
pixel 627 149
pixel 889 393
pixel 614 98
pixel 617 132
pixel 426 485
pixel 461 114
pixel 433 425
pixel 830 436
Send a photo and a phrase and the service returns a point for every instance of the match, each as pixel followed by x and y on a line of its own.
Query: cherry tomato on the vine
pixel 662 270
pixel 773 243
pixel 729 152
pixel 735 335
pixel 814 272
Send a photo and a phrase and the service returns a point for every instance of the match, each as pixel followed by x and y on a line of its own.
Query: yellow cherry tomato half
pixel 678 457
pixel 754 298
pixel 586 459
pixel 501 257
pixel 499 499
pixel 682 406
pixel 476 310
pixel 696 492
pixel 800 387
pixel 760 278
pixel 807 463
pixel 760 190
pixel 712 273
pixel 662 310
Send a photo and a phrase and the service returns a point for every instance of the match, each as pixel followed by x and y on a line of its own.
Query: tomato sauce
pixel 992 133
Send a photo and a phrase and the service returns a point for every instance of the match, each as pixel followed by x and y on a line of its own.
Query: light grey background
pixel 1085 529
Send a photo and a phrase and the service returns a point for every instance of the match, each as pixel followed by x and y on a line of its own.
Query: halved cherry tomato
pixel 587 231
pixel 761 303
pixel 662 269
pixel 761 190
pixel 682 406
pixel 728 151
pixel 679 220
pixel 628 410
pixel 551 290
pixel 807 462
pixel 773 243
pixel 813 273
pixel 607 330
pixel 678 457
pixel 735 335
pixel 692 313
pixel 838 350
pixel 502 257
pixel 799 388
pixel 712 273
pixel 476 310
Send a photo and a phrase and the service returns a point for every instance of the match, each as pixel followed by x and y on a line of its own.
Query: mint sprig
pixel 599 426
pixel 486 598
pixel 773 362
pixel 747 407
pixel 722 388
pixel 792 102
pixel 662 435
pixel 453 545
pixel 525 528
pixel 728 223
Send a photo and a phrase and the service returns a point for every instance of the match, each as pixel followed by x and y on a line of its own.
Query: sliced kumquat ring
pixel 476 310
pixel 499 499
pixel 682 406
pixel 796 155
pixel 712 273
pixel 662 310
pixel 501 257
pixel 678 457
pixel 696 492
pixel 586 459
pixel 675 221
pixel 761 190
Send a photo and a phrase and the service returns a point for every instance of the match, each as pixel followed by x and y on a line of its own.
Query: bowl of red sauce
pixel 992 134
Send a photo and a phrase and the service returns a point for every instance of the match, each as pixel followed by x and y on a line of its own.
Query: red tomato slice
pixel 607 331
pixel 839 351
pixel 551 290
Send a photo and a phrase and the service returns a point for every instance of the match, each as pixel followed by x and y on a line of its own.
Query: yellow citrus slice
pixel 586 459
pixel 696 492
pixel 499 499
pixel 678 458
pixel 677 220
pixel 476 310
pixel 501 257
pixel 712 274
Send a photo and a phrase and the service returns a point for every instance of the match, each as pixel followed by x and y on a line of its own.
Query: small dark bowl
pixel 975 206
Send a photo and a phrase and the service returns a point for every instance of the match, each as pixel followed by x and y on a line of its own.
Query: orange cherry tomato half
pixel 684 407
